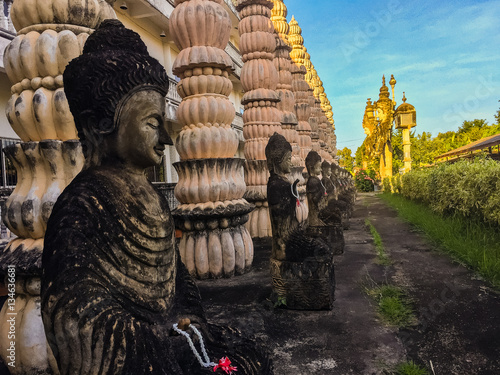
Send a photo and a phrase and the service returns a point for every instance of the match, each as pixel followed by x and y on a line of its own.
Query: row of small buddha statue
pixel 302 266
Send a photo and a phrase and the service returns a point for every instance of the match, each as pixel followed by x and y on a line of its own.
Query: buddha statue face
pixel 326 171
pixel 285 166
pixel 141 136
pixel 316 169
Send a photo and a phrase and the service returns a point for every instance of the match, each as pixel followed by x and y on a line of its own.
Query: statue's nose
pixel 164 137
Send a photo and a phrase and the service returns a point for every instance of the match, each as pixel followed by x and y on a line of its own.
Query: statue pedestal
pixel 305 285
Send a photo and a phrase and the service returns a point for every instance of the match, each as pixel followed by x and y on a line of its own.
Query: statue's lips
pixel 160 150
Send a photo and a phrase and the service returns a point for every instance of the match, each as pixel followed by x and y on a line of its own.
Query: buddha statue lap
pixel 113 283
pixel 302 267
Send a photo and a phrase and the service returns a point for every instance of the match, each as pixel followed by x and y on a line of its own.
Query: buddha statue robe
pixel 113 285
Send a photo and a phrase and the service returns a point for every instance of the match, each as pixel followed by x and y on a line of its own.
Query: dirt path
pixel 459 316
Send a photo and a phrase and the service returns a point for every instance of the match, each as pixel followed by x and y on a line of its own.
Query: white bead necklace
pixel 205 362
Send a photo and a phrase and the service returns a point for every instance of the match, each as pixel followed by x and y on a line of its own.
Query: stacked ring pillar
pixel 50 33
pixel 289 122
pixel 261 117
pixel 212 212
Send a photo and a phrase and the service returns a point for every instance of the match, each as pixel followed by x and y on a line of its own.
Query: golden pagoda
pixel 377 124
pixel 297 42
pixel 278 18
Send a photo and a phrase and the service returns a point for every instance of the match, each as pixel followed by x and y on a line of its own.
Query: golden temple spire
pixel 297 42
pixel 278 18
pixel 384 90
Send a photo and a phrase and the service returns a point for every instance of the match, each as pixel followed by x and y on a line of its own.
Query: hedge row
pixel 467 188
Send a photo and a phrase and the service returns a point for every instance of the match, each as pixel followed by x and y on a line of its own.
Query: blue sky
pixel 444 54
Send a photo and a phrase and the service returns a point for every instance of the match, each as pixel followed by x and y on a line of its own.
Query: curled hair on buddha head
pixel 115 63
pixel 276 149
pixel 311 159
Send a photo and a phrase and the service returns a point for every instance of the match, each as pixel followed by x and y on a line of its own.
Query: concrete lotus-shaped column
pixel 261 118
pixel 289 122
pixel 283 64
pixel 212 211
pixel 50 33
pixel 314 123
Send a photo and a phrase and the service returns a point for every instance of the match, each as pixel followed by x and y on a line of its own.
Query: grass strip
pixel 394 306
pixel 471 243
pixel 410 368
pixel 382 257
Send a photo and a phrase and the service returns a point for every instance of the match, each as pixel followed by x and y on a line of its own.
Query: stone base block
pixel 307 285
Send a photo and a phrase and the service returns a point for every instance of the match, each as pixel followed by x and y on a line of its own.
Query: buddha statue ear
pixel 90 123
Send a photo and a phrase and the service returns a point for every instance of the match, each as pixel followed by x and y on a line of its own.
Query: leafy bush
pixel 363 181
pixel 466 188
pixel 396 183
pixel 386 184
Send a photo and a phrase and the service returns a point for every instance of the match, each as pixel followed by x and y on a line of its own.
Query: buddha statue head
pixel 313 163
pixel 116 93
pixel 279 155
pixel 326 169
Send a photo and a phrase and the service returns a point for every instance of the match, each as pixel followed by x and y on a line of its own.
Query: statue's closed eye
pixel 153 122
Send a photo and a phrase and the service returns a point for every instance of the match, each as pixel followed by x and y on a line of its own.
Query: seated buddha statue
pixel 332 215
pixel 322 219
pixel 302 267
pixel 317 196
pixel 113 284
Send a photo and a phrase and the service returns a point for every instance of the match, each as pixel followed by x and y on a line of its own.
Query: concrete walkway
pixel 459 316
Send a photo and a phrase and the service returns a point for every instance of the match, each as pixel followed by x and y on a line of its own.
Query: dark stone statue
pixel 332 214
pixel 113 284
pixel 346 196
pixel 317 197
pixel 321 218
pixel 301 266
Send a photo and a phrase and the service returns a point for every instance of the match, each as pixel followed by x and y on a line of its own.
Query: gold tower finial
pixel 392 82
pixel 278 18
pixel 297 42
pixel 404 97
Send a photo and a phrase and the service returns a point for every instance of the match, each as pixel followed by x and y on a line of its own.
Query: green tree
pixel 397 150
pixel 345 159
pixel 358 157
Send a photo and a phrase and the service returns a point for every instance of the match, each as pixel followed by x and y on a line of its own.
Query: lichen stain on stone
pixel 98 205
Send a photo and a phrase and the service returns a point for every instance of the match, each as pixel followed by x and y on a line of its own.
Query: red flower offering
pixel 225 365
